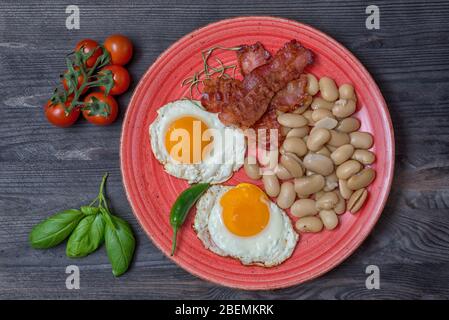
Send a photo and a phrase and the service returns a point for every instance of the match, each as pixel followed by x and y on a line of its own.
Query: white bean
pixel 304 207
pixel 292 120
pixel 328 89
pixel 271 185
pixel 286 196
pixel 312 84
pixel 252 169
pixel 309 224
pixel 329 218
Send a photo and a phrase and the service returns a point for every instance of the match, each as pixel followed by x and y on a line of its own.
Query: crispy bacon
pixel 234 105
pixel 287 64
pixel 268 122
pixel 252 56
pixel 293 96
pixel 242 104
pixel 220 92
pixel 249 109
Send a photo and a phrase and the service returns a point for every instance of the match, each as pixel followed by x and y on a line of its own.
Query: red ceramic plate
pixel 151 191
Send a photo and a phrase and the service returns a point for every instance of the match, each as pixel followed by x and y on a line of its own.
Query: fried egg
pixel 241 222
pixel 194 145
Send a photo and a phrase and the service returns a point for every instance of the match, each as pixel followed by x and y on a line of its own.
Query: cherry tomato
pixel 121 79
pixel 120 48
pixel 80 81
pixel 99 119
pixel 56 114
pixel 89 45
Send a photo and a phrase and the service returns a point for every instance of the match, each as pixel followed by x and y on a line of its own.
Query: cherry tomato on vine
pixel 57 116
pixel 80 80
pixel 89 45
pixel 98 119
pixel 121 79
pixel 120 48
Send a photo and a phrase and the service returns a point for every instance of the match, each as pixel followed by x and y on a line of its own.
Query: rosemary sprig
pixel 208 70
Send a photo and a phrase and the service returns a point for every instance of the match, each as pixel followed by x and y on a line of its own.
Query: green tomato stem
pixel 91 71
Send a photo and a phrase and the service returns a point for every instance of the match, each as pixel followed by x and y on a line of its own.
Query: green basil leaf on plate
pixel 120 244
pixel 87 236
pixel 53 230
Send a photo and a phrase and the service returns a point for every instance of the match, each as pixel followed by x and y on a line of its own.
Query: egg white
pixel 272 246
pixel 219 165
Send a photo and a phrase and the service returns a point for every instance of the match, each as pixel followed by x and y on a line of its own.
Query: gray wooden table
pixel 44 169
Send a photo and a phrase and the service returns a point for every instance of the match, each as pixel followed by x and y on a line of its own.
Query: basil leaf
pixel 120 244
pixel 88 210
pixel 53 230
pixel 87 237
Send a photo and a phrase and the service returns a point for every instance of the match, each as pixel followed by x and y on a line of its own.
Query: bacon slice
pixel 293 96
pixel 268 122
pixel 219 93
pixel 235 105
pixel 287 64
pixel 290 98
pixel 242 104
pixel 252 56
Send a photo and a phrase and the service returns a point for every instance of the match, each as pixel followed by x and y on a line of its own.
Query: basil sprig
pixel 120 243
pixel 86 230
pixel 53 230
pixel 87 237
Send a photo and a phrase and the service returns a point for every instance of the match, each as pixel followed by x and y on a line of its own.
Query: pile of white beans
pixel 323 170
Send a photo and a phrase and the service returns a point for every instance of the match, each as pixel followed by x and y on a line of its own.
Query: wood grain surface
pixel 44 169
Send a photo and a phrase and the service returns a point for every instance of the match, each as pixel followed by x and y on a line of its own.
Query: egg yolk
pixel 245 210
pixel 183 140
